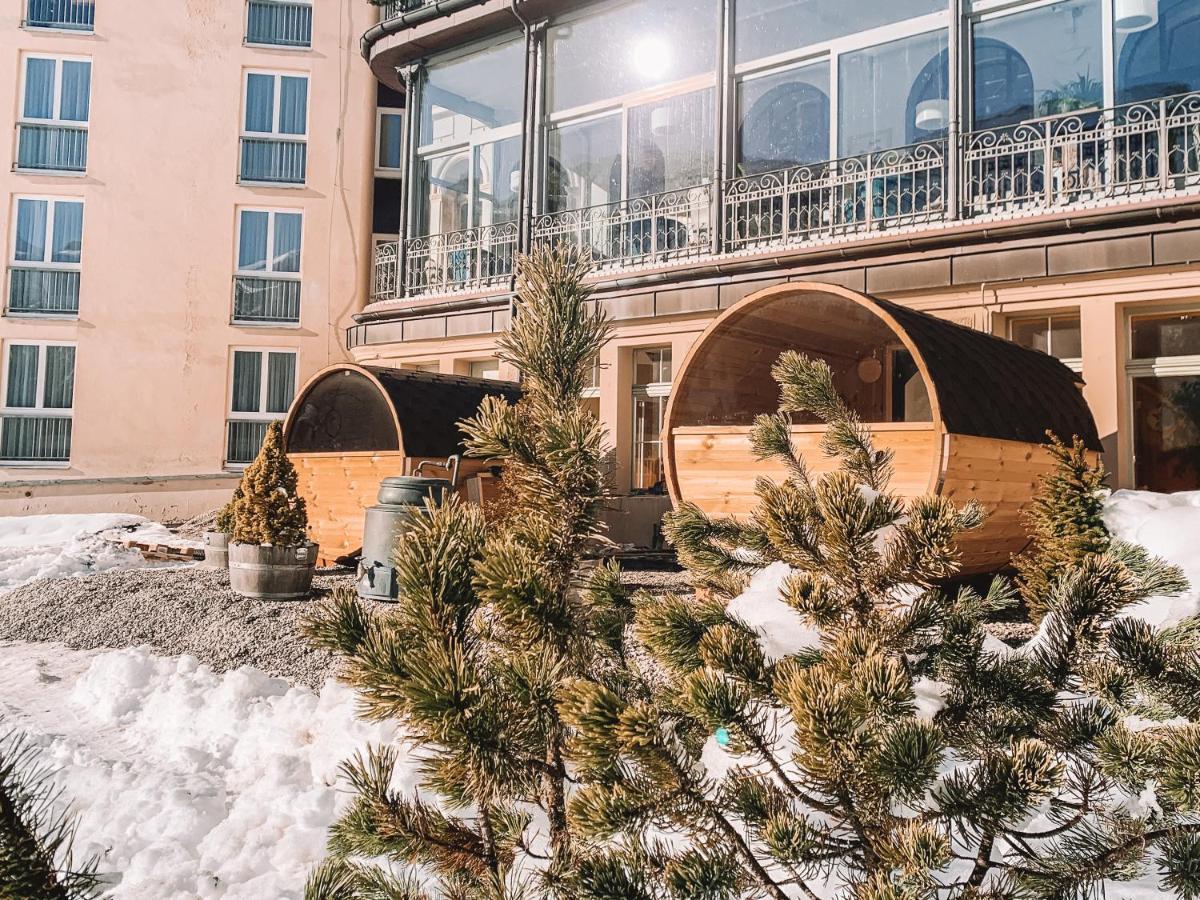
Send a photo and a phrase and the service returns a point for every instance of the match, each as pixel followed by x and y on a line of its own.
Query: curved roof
pixel 347 408
pixel 978 384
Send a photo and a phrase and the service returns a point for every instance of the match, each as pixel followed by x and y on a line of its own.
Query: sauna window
pixel 1057 335
pixel 1165 394
pixel 909 400
pixel 651 390
pixel 343 413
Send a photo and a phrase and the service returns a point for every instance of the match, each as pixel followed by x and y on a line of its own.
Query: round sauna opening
pixel 966 414
pixel 726 382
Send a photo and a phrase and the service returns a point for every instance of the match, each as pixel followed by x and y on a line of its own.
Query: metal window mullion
pixel 722 125
pixel 48 236
pixel 268 262
pixel 956 80
pixel 40 390
pixel 56 103
pixel 1108 52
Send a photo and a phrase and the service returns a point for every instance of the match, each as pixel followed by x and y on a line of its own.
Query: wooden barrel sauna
pixel 351 426
pixel 966 413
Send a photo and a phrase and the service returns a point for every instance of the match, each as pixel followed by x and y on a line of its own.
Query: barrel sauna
pixel 351 426
pixel 965 413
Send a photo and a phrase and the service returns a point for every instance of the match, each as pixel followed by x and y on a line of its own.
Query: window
pixel 651 390
pixel 279 23
pixel 39 393
pixel 1044 61
pixel 1057 335
pixel 67 15
pixel 1158 58
pixel 262 387
pixel 431 368
pixel 274 127
pixel 783 119
pixel 1164 375
pixel 389 148
pixel 485 368
pixel 47 241
pixel 55 100
pixel 267 284
pixel 591 391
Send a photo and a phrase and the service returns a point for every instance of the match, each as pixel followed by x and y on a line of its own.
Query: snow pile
pixel 187 783
pixel 56 546
pixel 1167 525
pixel 781 630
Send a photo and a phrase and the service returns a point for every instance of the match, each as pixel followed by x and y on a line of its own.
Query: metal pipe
pixel 526 129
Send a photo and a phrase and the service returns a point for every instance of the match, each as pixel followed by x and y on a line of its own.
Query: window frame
pixel 269 259
pixel 47 236
pixel 655 390
pixel 56 28
pixel 264 385
pixel 1075 364
pixel 56 119
pixel 294 48
pixel 40 407
pixel 278 75
pixel 382 171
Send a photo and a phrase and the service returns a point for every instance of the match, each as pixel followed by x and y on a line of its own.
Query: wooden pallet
pixel 162 552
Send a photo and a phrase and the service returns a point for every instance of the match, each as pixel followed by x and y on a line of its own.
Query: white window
pixel 651 391
pixel 60 15
pixel 279 23
pixel 56 89
pixel 389 144
pixel 267 283
pixel 45 253
pixel 262 385
pixel 276 104
pixel 39 398
pixel 485 368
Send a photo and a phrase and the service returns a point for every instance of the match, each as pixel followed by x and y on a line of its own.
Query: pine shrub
pixel 266 507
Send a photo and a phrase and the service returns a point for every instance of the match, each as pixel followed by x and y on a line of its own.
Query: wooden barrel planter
pixel 351 426
pixel 966 413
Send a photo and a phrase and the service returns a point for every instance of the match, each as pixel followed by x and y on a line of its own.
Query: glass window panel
pixel 1166 437
pixel 445 185
pixel 1032 334
pixel 629 47
pixel 260 102
pixel 281 381
pixel 671 144
pixel 767 27
pixel 648 414
pixel 497 182
pixel 30 243
pixel 1160 60
pixel 651 366
pixel 1040 62
pixel 76 91
pixel 288 228
pixel 1066 340
pixel 894 94
pixel 783 119
pixel 68 232
pixel 485 368
pixel 247 381
pixel 293 105
pixel 39 88
pixel 60 378
pixel 585 164
pixel 391 140
pixel 473 93
pixel 22 376
pixel 252 242
pixel 1174 335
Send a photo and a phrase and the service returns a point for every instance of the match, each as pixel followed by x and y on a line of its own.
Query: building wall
pixel 161 195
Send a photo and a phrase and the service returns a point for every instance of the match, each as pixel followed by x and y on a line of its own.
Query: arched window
pixel 787 124
pixel 1003 85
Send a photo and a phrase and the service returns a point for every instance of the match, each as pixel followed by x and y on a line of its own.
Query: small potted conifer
pixel 270 556
pixel 216 542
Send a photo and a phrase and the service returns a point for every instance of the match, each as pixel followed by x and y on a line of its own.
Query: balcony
pixel 263 300
pixel 43 291
pixel 245 439
pixel 273 161
pixel 396 8
pixel 1089 160
pixel 34 438
pixel 51 148
pixel 68 15
pixel 274 23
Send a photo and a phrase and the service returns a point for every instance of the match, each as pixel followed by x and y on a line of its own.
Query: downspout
pixel 523 223
pixel 424 13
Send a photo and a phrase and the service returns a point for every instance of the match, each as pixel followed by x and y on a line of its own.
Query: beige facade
pixel 163 192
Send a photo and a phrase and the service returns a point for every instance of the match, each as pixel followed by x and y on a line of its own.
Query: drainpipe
pixel 957 83
pixel 721 167
pixel 424 13
pixel 408 77
pixel 528 125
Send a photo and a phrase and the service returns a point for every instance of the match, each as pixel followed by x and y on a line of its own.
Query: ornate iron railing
pixel 274 160
pixel 473 259
pixel 1083 158
pixel 39 290
pixel 34 437
pixel 279 23
pixel 72 15
pixel 652 230
pixel 890 189
pixel 1074 161
pixel 396 8
pixel 261 299
pixel 52 148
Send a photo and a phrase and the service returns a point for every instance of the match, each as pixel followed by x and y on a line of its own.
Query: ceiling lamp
pixel 933 115
pixel 1136 15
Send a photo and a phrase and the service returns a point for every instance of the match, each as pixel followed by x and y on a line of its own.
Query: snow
pixel 1167 525
pixel 55 546
pixel 188 783
pixel 781 629
pixel 931 697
